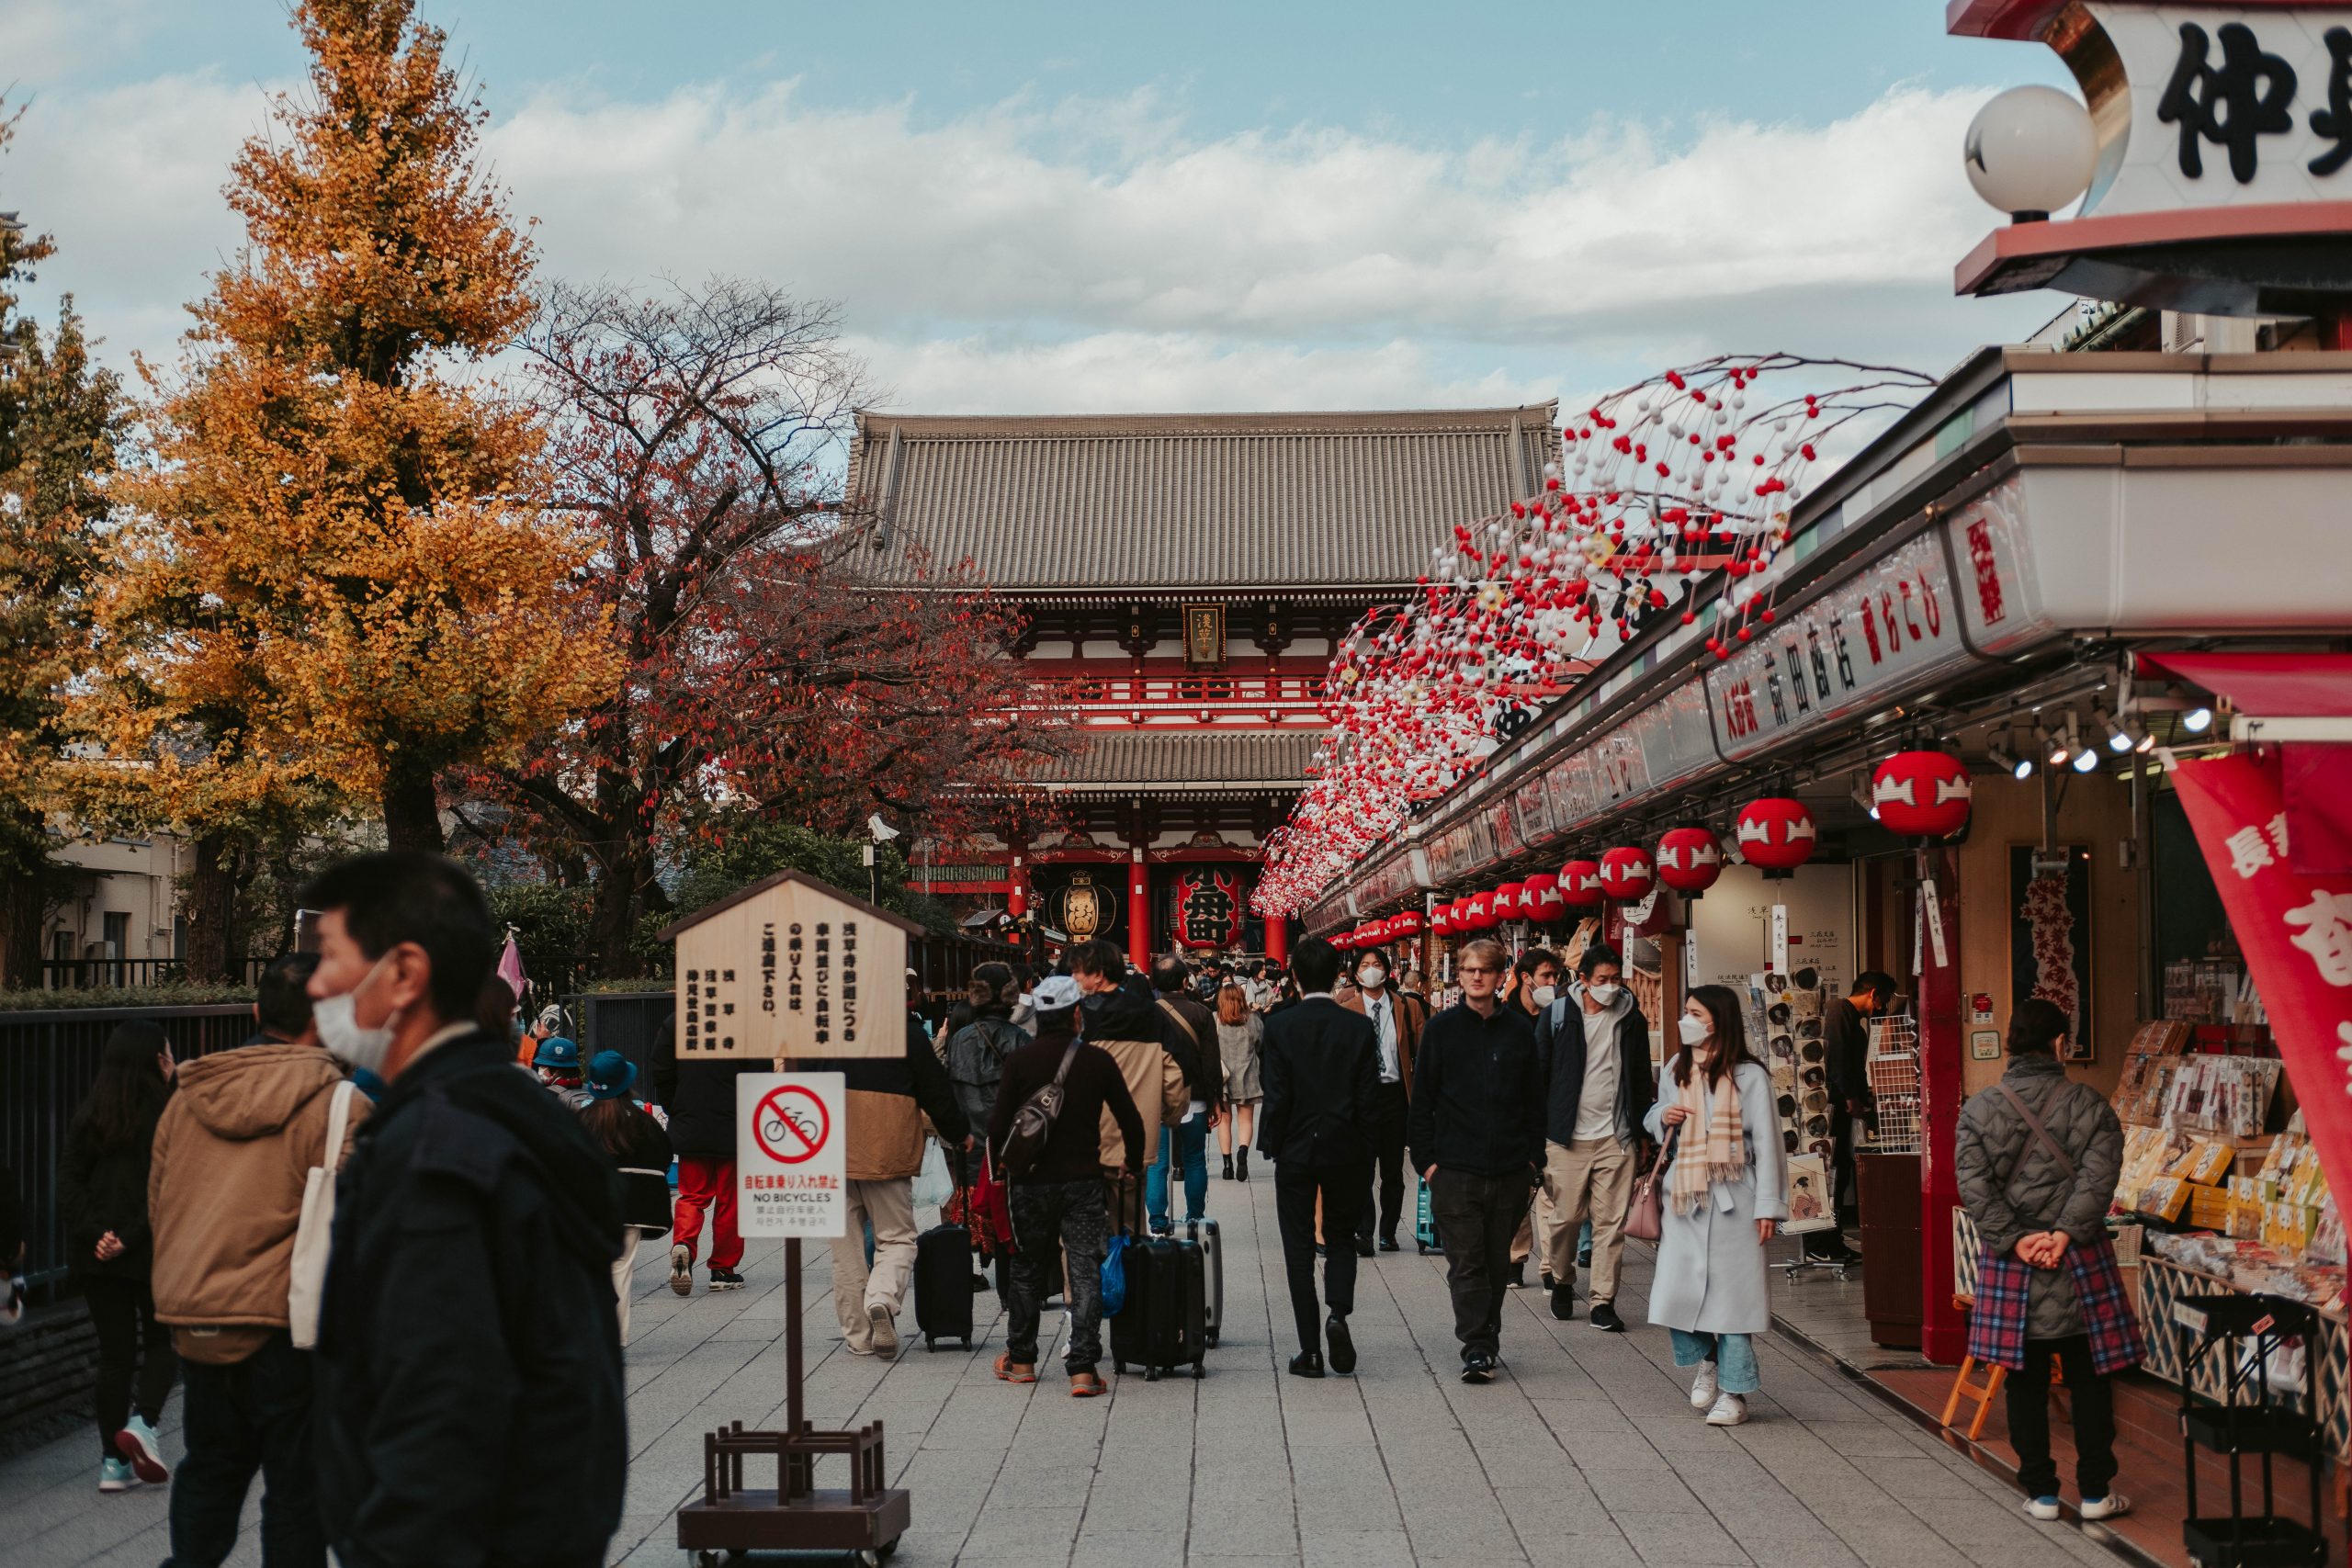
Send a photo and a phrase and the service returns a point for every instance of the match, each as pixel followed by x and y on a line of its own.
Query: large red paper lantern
pixel 1506 902
pixel 1408 923
pixel 1626 874
pixel 1775 833
pixel 1690 860
pixel 1442 918
pixel 1341 940
pixel 1539 897
pixel 1922 794
pixel 1580 884
pixel 1210 904
pixel 1478 912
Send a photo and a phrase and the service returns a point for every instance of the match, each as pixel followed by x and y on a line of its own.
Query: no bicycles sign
pixel 789 1160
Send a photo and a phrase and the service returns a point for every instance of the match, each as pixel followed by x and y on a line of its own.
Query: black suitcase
pixel 1212 1246
pixel 1164 1325
pixel 944 1285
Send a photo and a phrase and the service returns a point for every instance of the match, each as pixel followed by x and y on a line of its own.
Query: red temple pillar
pixel 1016 891
pixel 1138 911
pixel 1278 938
pixel 1942 1087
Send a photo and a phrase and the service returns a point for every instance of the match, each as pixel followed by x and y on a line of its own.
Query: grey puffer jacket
pixel 2012 1185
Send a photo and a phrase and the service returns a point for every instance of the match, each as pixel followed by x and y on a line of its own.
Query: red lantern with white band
pixel 1627 874
pixel 1776 834
pixel 1922 794
pixel 1442 918
pixel 1539 897
pixel 1408 924
pixel 1690 860
pixel 1505 902
pixel 1580 884
pixel 1480 913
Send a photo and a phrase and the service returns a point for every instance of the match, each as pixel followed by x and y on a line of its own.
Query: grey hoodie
pixel 1563 1035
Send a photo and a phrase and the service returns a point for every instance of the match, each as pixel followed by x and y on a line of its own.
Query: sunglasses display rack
pixel 1894 1071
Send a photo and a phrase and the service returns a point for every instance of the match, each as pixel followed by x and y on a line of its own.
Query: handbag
pixel 314 1232
pixel 1646 1214
pixel 1033 1121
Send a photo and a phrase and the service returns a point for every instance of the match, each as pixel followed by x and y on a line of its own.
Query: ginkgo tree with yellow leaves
pixel 335 580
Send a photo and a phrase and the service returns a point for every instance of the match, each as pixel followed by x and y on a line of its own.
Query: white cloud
pixel 1083 254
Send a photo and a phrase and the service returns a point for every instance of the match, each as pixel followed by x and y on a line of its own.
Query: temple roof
pixel 1226 503
pixel 1192 759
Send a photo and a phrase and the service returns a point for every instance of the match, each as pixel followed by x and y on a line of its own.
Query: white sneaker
pixel 2114 1505
pixel 2042 1509
pixel 682 1270
pixel 1730 1410
pixel 885 1330
pixel 145 1449
pixel 1702 1387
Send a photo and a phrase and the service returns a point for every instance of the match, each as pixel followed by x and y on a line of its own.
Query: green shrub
pixel 122 997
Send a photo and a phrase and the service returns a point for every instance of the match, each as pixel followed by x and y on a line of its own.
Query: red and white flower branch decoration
pixel 1663 490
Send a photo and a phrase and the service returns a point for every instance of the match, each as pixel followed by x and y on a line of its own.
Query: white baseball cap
pixel 1054 993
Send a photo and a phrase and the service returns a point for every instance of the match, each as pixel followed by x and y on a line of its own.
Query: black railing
pixel 49 1058
pixel 85 974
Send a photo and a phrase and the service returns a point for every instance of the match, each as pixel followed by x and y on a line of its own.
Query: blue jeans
pixel 1191 1142
pixel 1733 1354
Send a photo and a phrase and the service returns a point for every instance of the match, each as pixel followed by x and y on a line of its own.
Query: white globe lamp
pixel 2030 151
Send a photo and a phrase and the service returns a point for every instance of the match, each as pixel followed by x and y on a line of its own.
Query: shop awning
pixel 2270 687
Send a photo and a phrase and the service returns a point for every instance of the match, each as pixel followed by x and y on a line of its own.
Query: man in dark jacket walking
pixel 1476 1133
pixel 1322 1077
pixel 467 1338
pixel 1595 1046
pixel 1189 1031
pixel 700 1099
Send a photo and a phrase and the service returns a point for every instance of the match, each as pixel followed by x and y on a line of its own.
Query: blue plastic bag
pixel 1113 1276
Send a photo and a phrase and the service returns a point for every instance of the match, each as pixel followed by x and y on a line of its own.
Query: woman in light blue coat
pixel 1725 1194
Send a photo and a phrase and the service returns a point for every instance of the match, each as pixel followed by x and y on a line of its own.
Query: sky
pixel 1032 208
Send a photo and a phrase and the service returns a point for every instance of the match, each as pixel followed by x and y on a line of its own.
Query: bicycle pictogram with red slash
pixel 791 1125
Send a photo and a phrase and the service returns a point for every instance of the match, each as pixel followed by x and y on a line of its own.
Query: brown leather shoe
pixel 1085 1385
pixel 1010 1371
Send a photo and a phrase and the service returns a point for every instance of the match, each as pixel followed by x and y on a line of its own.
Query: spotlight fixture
pixel 2143 738
pixel 2067 743
pixel 2009 761
pixel 1862 798
pixel 2087 759
pixel 2117 741
pixel 2197 720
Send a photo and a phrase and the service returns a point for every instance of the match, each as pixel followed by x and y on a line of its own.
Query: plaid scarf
pixel 1996 1325
pixel 1712 1149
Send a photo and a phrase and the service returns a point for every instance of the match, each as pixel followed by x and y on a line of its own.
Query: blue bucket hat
pixel 558 1052
pixel 610 1076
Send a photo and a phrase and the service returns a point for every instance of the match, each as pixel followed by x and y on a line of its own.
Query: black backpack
pixel 1033 1122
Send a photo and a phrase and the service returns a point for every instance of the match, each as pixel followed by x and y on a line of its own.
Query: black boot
pixel 1241 1165
pixel 1229 1168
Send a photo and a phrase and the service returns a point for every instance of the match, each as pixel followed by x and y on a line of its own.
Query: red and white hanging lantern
pixel 1405 924
pixel 1478 913
pixel 1690 860
pixel 1627 874
pixel 1776 834
pixel 1442 918
pixel 1539 897
pixel 1506 902
pixel 1922 794
pixel 1580 884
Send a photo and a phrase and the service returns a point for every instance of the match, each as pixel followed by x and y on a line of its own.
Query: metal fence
pixel 48 1059
pixel 82 974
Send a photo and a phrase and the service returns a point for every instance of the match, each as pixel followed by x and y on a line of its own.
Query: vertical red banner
pixel 2295 930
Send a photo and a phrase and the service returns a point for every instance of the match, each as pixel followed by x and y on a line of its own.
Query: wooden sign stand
pixel 786 1015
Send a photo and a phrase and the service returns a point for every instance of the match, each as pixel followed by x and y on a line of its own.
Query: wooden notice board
pixel 791 967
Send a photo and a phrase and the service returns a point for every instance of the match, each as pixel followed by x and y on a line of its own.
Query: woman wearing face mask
pixel 1727 1192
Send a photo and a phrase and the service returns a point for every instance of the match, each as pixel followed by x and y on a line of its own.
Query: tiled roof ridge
pixel 877 424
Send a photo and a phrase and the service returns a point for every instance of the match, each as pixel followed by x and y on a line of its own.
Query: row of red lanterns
pixel 1916 794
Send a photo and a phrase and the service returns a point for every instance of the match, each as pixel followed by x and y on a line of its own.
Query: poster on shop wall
pixel 2296 930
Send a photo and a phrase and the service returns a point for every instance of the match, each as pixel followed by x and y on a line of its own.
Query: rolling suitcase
pixel 944 1283
pixel 1204 1233
pixel 1163 1327
pixel 1424 1219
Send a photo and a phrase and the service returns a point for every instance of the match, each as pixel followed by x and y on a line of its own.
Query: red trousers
pixel 702 1182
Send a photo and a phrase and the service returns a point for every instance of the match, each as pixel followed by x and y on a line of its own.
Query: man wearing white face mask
pixel 473 1208
pixel 1397 1020
pixel 1596 1048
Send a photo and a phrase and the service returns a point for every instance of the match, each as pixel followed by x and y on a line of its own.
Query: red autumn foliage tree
pixel 774 664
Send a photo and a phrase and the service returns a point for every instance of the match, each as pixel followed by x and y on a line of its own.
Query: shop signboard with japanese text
pixel 791 1165
pixel 1864 642
pixel 790 967
pixel 2295 930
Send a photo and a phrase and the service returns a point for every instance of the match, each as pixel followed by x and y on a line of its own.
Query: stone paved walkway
pixel 1585 1451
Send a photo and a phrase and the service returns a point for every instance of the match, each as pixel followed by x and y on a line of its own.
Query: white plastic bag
pixel 313 1233
pixel 933 1186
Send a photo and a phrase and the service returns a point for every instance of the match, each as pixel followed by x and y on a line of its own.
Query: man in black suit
pixel 1322 1086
